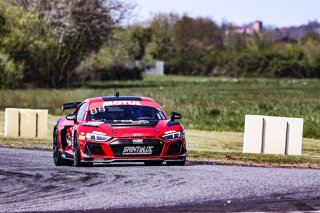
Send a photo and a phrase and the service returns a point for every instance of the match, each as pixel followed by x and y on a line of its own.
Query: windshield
pixel 125 113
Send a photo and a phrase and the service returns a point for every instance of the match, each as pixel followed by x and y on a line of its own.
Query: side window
pixel 81 112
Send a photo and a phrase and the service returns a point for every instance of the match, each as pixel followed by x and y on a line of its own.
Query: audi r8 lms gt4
pixel 118 129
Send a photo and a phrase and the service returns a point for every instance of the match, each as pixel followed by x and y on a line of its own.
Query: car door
pixel 80 112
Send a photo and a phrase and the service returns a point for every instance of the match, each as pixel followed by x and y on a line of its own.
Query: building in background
pixel 296 32
pixel 256 26
pixel 155 68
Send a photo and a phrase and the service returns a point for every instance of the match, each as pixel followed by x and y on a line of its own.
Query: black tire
pixel 76 156
pixel 176 163
pixel 76 152
pixel 87 164
pixel 153 163
pixel 57 159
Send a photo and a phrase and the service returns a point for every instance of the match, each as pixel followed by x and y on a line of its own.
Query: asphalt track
pixel 29 181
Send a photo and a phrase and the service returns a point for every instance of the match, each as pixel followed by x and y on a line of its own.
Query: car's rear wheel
pixel 57 159
pixel 176 163
pixel 153 163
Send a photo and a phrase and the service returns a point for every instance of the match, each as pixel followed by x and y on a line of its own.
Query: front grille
pixel 94 149
pixel 118 146
pixel 174 148
pixel 134 124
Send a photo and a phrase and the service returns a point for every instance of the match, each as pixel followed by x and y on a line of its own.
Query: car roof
pixel 95 102
pixel 118 98
pixel 99 101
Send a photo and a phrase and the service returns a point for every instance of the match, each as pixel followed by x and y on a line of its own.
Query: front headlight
pixel 172 136
pixel 97 137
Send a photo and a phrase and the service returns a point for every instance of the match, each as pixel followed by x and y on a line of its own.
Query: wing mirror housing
pixel 175 115
pixel 72 117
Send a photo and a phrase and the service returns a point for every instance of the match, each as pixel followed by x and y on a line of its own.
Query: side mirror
pixel 71 117
pixel 175 115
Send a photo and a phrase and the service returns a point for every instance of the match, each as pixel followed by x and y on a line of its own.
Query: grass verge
pixel 226 148
pixel 204 146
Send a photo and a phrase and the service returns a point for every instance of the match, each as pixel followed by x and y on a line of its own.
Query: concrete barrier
pixel 273 135
pixel 26 123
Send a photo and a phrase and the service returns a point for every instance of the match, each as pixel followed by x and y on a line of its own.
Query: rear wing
pixel 70 105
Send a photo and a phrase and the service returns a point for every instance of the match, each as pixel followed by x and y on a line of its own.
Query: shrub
pixel 121 73
pixel 11 73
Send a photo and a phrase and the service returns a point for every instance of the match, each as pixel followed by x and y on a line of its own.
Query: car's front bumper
pixel 134 159
pixel 113 151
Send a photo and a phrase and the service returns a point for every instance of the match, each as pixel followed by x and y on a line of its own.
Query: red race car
pixel 118 129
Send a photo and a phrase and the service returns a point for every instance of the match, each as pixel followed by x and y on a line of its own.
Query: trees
pixel 160 46
pixel 76 28
pixel 51 38
pixel 10 72
pixel 18 35
pixel 195 41
pixel 118 55
pixel 257 55
pixel 49 41
pixel 184 43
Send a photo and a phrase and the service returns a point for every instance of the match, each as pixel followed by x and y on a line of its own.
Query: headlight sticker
pixel 98 133
pixel 169 132
pixel 172 136
pixel 97 137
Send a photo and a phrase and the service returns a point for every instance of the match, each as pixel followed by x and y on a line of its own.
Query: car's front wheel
pixel 76 154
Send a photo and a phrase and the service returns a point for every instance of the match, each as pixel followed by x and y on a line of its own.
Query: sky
pixel 279 13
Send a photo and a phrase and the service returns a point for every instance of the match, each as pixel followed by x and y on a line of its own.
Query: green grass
pixel 218 147
pixel 214 104
pixel 27 142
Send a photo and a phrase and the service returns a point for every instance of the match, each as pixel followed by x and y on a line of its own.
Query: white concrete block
pixel 295 136
pixel 252 134
pixel 11 120
pixel 274 135
pixel 26 123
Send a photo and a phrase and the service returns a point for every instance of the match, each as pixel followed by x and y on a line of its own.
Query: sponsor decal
pixel 122 121
pixel 114 103
pixel 137 141
pixel 92 123
pixel 137 134
pixel 139 122
pixel 137 150
pixel 142 122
